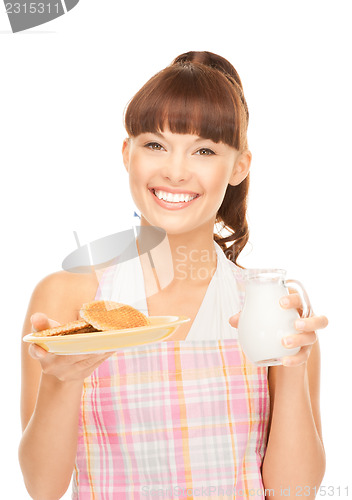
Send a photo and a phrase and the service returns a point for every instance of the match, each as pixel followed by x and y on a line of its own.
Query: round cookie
pixel 108 315
pixel 78 326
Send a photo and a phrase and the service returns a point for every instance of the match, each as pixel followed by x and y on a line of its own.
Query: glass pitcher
pixel 263 322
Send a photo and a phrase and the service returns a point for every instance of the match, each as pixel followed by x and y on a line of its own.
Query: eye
pixel 205 152
pixel 155 146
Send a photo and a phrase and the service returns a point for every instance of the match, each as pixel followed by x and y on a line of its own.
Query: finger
pixel 292 300
pixel 40 321
pixel 101 359
pixel 311 324
pixel 299 340
pixel 89 361
pixel 233 320
pixel 37 352
pixel 84 368
pixel 298 359
pixel 77 361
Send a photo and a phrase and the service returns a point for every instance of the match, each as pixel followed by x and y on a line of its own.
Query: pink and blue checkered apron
pixel 175 419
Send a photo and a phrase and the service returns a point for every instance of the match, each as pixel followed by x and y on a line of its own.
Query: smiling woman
pixel 190 413
pixel 206 88
pixel 168 169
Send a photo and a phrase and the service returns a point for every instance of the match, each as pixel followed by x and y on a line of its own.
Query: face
pixel 178 181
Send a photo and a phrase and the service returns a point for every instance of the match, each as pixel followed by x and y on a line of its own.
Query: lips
pixel 172 190
pixel 193 195
pixel 173 205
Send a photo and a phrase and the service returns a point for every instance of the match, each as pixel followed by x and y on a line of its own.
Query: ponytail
pixel 232 212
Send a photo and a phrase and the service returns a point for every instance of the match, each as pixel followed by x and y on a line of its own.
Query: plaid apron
pixel 174 419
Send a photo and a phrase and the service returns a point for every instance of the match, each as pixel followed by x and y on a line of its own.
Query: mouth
pixel 173 201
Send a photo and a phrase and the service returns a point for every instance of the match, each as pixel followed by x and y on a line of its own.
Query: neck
pixel 187 259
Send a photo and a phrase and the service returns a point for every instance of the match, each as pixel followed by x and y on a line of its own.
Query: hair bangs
pixel 188 99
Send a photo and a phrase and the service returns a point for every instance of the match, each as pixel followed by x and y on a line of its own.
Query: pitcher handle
pixel 306 305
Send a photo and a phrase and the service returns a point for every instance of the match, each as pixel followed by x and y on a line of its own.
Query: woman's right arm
pixel 51 389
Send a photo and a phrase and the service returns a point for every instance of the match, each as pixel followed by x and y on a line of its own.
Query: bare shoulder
pixel 62 293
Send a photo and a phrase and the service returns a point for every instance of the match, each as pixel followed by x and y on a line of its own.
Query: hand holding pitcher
pixel 271 331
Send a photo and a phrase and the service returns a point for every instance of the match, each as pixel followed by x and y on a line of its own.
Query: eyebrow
pixel 159 134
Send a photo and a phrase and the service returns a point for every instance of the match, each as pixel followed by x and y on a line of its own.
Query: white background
pixel 63 89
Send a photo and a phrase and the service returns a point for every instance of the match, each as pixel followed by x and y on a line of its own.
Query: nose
pixel 176 168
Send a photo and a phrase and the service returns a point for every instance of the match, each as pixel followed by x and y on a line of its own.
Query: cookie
pixel 78 326
pixel 108 315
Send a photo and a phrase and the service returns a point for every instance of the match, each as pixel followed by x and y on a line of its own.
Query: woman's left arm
pixel 294 462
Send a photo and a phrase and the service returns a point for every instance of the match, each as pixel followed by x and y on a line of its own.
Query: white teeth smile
pixel 163 195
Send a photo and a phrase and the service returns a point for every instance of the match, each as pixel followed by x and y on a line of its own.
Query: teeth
pixel 163 195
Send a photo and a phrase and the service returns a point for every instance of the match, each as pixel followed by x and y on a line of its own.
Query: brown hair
pixel 200 93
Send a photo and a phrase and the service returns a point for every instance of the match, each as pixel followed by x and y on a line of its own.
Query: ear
pixel 241 168
pixel 126 152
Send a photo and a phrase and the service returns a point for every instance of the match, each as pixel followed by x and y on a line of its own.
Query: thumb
pixel 233 320
pixel 40 321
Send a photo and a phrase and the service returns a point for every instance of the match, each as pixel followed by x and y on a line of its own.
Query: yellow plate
pixel 80 343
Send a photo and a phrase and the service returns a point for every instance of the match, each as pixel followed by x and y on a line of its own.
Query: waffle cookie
pixel 79 326
pixel 108 315
pixel 98 316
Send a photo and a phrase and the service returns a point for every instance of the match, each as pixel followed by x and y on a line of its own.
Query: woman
pixel 189 416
